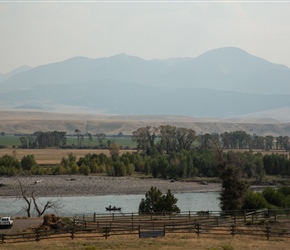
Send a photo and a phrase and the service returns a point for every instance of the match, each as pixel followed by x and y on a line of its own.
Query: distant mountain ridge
pixel 223 82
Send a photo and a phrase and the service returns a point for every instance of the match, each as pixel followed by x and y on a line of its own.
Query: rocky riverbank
pixel 60 186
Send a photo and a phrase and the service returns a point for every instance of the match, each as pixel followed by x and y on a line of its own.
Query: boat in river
pixel 110 208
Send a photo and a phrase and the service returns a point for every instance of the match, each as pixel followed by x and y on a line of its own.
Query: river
pixel 129 203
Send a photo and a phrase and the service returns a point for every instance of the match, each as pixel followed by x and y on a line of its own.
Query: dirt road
pixel 21 225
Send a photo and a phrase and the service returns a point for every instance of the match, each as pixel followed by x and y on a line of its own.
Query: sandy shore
pixel 60 186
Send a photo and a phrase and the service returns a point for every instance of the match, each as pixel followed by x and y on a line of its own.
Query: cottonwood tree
pixel 78 132
pixel 90 138
pixel 31 198
pixel 145 138
pixel 101 137
pixel 234 188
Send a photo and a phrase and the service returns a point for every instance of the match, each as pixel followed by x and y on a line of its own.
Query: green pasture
pixel 12 140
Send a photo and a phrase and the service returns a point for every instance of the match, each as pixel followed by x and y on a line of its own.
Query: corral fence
pixel 265 223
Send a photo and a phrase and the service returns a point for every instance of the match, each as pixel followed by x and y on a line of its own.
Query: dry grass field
pixel 169 242
pixel 51 156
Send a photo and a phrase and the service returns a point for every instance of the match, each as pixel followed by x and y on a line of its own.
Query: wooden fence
pixel 264 223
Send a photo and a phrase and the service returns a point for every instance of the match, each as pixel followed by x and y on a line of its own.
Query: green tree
pixel 90 138
pixel 78 132
pixel 273 197
pixel 254 200
pixel 83 169
pixel 28 163
pixel 234 188
pixel 156 202
pixel 145 138
pixel 101 137
pixel 23 141
pixel 114 149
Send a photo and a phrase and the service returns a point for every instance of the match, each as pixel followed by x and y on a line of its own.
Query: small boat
pixel 110 208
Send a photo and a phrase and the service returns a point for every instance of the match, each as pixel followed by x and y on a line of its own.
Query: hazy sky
pixel 40 32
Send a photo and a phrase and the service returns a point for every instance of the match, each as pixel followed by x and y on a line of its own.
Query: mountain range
pixel 221 83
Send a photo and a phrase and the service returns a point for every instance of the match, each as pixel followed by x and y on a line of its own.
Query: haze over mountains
pixel 220 83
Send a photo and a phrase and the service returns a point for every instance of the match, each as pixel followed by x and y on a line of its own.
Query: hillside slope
pixel 29 122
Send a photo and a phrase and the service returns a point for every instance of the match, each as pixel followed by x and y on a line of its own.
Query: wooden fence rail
pixel 252 223
pixel 197 229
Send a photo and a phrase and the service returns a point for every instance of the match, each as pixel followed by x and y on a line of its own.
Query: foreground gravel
pixel 60 186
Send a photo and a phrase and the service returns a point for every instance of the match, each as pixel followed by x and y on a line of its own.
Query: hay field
pixel 52 156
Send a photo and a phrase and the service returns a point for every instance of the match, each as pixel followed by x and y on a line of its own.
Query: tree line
pixel 164 138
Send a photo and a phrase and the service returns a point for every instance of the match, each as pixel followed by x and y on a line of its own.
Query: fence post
pixel 268 231
pixel 75 220
pixel 217 221
pixel 94 216
pixel 139 228
pixel 37 236
pixel 113 216
pixel 198 229
pixel 106 232
pixel 233 227
pixel 132 216
pixel 72 233
pixel 2 238
pixel 189 214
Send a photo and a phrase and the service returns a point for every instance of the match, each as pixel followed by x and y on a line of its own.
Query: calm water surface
pixel 129 203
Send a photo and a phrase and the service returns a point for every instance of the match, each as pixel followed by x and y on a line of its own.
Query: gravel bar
pixel 78 185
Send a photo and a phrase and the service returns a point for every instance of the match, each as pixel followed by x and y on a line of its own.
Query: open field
pixel 51 156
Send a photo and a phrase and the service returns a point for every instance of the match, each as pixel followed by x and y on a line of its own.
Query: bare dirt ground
pixel 20 225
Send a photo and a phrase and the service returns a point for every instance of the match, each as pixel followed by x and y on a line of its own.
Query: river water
pixel 97 204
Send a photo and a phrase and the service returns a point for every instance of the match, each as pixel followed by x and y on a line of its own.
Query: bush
pixel 254 200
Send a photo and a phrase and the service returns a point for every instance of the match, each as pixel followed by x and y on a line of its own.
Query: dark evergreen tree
pixel 156 202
